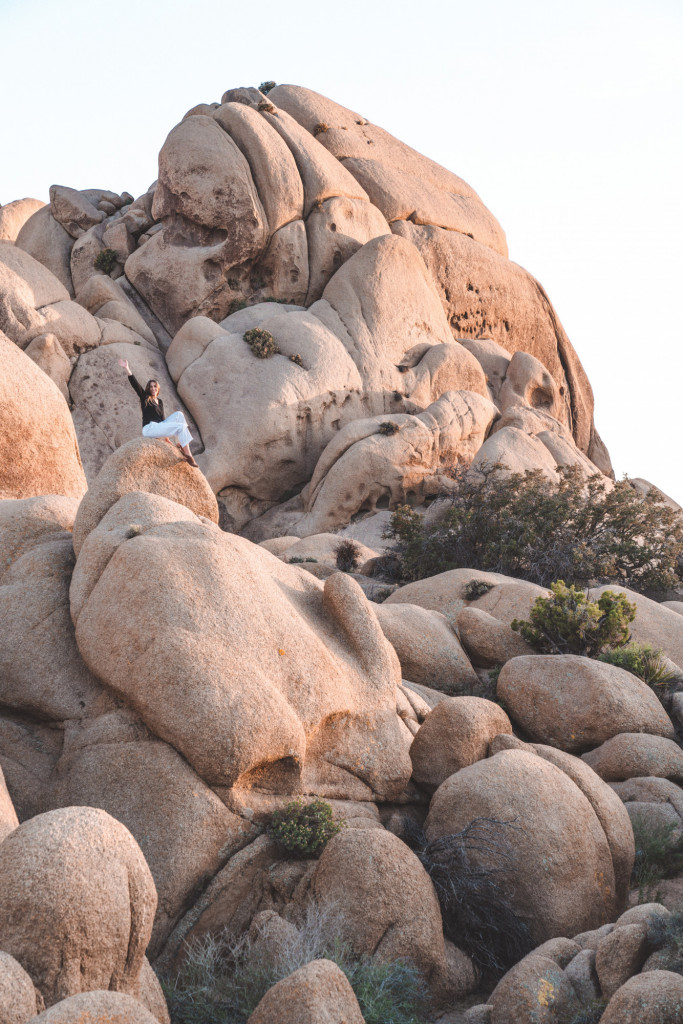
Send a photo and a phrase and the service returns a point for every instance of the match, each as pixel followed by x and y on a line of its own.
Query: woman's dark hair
pixel 148 395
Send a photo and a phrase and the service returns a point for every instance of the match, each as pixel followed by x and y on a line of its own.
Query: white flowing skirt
pixel 174 425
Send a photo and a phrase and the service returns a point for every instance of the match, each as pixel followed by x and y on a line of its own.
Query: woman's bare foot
pixel 189 459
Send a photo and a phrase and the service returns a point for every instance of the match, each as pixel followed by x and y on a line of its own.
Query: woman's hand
pixel 124 364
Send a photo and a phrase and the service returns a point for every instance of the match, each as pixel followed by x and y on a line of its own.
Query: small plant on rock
pixel 261 343
pixel 304 829
pixel 296 358
pixel 388 428
pixel 105 261
pixel 298 559
pixel 568 622
pixel 236 305
pixel 320 128
pixel 265 87
pixel 266 107
pixel 476 589
pixel 347 555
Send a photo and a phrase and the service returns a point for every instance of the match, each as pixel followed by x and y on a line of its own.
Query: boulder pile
pixel 188 656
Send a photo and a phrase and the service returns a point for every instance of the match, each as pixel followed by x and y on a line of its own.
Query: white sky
pixel 566 118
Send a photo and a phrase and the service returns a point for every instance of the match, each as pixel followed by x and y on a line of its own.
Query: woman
pixel 154 424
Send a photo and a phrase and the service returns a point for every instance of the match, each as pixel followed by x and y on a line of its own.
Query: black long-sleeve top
pixel 152 412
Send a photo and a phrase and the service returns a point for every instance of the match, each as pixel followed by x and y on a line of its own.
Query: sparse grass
pixel 667 937
pixel 106 261
pixel 320 128
pixel 475 589
pixel 659 855
pixel 347 555
pixel 645 661
pixel 224 979
pixel 466 869
pixel 568 622
pixel 388 428
pixel 261 343
pixel 236 305
pixel 304 830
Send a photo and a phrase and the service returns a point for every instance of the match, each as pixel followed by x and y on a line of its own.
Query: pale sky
pixel 566 119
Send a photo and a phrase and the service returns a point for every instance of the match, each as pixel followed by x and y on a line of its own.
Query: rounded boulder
pixel 576 703
pixel 143 465
pixel 317 993
pixel 559 872
pixel 632 754
pixel 455 734
pixel 77 902
pixel 655 997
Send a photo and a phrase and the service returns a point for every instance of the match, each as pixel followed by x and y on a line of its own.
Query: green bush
pixel 105 261
pixel 304 829
pixel 526 526
pixel 265 87
pixel 224 979
pixel 347 555
pixel 388 428
pixel 261 342
pixel 467 870
pixel 644 661
pixel 569 623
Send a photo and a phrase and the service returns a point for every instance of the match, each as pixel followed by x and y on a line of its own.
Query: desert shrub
pixel 347 555
pixel 642 660
pixel 298 559
pixel 320 128
pixel 235 306
pixel 475 589
pixel 261 342
pixel 304 829
pixel 476 913
pixel 105 261
pixel 296 358
pixel 659 855
pixel 265 87
pixel 388 428
pixel 526 526
pixel 568 622
pixel 224 979
pixel 667 937
pixel 134 530
pixel 266 106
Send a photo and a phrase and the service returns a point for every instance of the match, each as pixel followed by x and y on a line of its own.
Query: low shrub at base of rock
pixel 569 623
pixel 347 555
pixel 475 912
pixel 304 829
pixel 659 855
pixel 261 343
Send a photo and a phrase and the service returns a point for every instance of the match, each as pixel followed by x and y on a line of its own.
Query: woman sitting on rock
pixel 154 424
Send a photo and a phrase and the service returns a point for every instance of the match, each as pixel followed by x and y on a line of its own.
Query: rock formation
pixel 187 651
